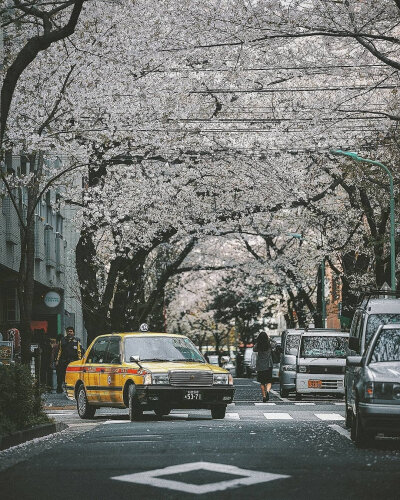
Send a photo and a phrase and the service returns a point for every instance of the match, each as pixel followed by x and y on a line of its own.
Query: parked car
pixel 375 308
pixel 375 396
pixel 287 365
pixel 147 371
pixel 320 363
pixel 248 365
pixel 276 342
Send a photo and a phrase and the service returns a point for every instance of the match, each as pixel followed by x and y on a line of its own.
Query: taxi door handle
pixel 102 370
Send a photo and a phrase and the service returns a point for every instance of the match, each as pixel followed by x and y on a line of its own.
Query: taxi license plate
pixel 314 384
pixel 192 395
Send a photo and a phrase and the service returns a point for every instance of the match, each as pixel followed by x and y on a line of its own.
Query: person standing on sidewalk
pixel 264 364
pixel 70 350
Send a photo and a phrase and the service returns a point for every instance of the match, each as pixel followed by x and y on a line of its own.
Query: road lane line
pixel 232 416
pixel 340 430
pixel 278 416
pixel 329 416
pixel 265 404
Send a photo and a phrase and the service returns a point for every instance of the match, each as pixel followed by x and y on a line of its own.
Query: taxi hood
pixel 165 367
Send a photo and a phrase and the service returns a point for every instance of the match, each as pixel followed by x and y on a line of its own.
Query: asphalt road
pixel 280 450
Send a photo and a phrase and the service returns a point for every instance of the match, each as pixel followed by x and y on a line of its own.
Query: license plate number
pixel 314 384
pixel 192 395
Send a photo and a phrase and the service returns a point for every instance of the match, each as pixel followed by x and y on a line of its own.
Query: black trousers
pixel 61 369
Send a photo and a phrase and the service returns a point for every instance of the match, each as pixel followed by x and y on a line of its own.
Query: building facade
pixel 56 292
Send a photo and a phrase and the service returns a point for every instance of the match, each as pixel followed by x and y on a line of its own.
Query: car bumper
pixel 174 397
pixel 288 380
pixel 380 418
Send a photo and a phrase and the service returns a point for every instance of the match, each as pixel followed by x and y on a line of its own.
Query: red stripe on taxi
pixel 74 368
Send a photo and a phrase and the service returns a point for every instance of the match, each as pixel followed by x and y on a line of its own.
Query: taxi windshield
pixel 324 347
pixel 387 347
pixel 150 348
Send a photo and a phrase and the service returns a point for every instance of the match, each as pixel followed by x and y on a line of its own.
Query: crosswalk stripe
pixel 265 404
pixel 329 416
pixel 278 416
pixel 232 416
pixel 305 404
pixel 340 430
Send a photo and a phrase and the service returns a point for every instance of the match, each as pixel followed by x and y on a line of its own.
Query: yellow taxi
pixel 147 371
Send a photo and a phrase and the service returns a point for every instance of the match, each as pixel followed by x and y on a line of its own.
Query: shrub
pixel 20 400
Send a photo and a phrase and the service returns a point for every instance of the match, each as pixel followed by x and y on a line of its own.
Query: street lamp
pixel 354 156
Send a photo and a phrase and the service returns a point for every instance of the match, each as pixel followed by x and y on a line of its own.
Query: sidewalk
pixel 54 401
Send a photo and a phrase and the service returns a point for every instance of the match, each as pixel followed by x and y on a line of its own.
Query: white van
pixel 321 362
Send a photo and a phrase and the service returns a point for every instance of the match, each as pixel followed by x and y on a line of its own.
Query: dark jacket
pixel 70 350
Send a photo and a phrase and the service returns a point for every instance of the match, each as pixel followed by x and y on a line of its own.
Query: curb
pixel 29 434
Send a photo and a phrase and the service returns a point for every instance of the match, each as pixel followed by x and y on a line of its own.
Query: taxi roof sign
pixel 144 327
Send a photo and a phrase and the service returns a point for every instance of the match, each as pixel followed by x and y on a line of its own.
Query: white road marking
pixel 255 382
pixel 340 430
pixel 231 404
pixel 278 416
pixel 154 477
pixel 179 415
pixel 232 416
pixel 305 404
pixel 329 416
pixel 117 422
pixel 340 404
pixel 265 404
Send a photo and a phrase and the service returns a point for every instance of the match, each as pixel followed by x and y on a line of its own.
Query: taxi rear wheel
pixel 218 412
pixel 83 407
pixel 135 410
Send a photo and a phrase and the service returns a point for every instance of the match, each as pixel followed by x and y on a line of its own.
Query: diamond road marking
pixel 278 416
pixel 232 416
pixel 265 404
pixel 329 416
pixel 154 477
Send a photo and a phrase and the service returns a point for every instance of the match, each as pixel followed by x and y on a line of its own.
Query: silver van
pixel 376 308
pixel 287 366
pixel 321 362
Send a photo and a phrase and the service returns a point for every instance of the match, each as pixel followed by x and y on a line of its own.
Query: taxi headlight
pixel 160 378
pixel 302 369
pixel 147 379
pixel 221 379
pixel 288 368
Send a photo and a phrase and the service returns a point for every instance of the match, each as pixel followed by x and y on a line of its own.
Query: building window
pixel 10 304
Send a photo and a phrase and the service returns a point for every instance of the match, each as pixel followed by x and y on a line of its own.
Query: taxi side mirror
pixel 135 359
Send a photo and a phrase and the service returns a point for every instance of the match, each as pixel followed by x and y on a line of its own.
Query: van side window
pixel 360 329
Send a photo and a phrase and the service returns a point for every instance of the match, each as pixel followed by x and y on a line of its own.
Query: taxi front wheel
pixel 83 407
pixel 218 412
pixel 135 410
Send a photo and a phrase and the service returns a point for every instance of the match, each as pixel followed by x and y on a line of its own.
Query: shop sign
pixel 6 352
pixel 52 299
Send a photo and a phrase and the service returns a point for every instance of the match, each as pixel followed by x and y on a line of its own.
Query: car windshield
pixel 375 320
pixel 292 344
pixel 162 349
pixel 324 347
pixel 387 347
